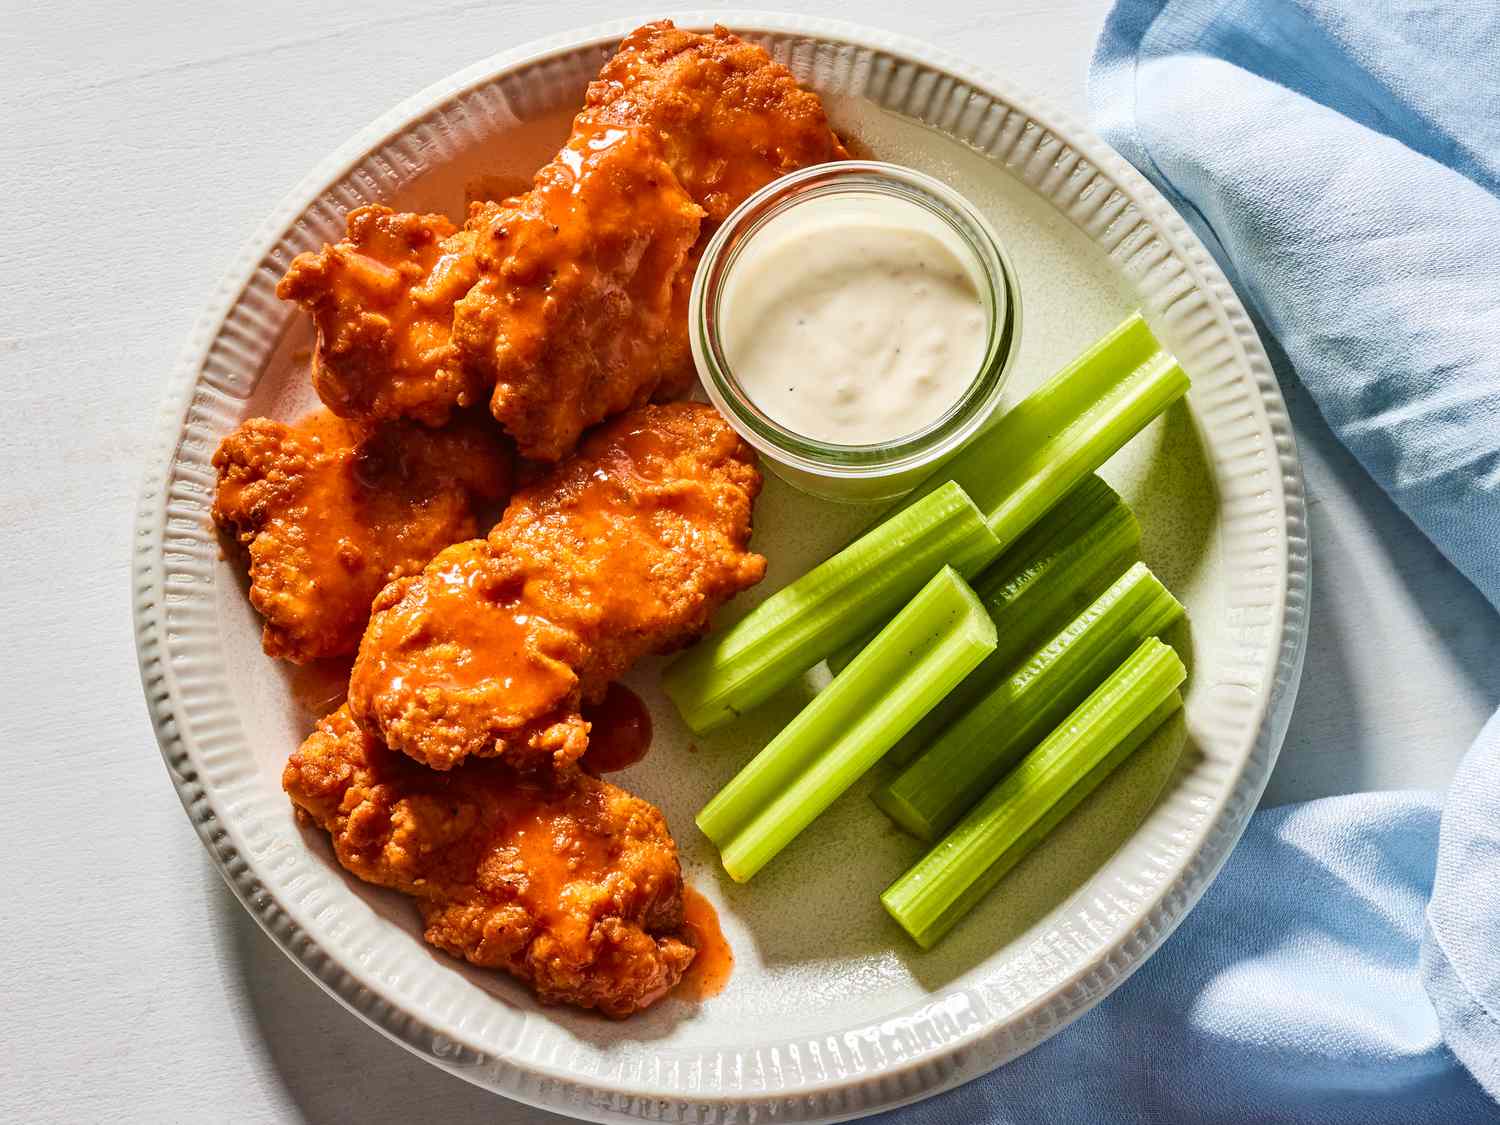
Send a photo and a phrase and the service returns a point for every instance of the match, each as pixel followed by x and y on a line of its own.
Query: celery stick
pixel 1018 468
pixel 1064 562
pixel 838 600
pixel 946 883
pixel 940 611
pixel 926 649
pixel 1089 782
pixel 1042 592
pixel 1060 565
pixel 1063 430
pixel 1027 842
pixel 1015 713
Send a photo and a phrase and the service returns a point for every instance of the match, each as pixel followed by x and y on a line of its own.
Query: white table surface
pixel 145 142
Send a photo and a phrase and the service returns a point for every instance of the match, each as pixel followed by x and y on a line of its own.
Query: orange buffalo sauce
pixel 711 968
pixel 554 855
pixel 469 625
pixel 319 686
pixel 620 731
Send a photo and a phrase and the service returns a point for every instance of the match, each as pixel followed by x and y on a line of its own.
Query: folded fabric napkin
pixel 1342 160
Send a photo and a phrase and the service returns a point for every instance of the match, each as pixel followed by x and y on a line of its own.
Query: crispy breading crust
pixel 626 548
pixel 328 515
pixel 731 118
pixel 565 881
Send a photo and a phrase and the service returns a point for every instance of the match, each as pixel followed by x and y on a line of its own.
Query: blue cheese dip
pixel 855 318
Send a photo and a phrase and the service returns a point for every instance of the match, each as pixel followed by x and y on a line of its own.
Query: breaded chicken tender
pixel 731 119
pixel 382 300
pixel 625 549
pixel 573 311
pixel 565 881
pixel 567 303
pixel 328 515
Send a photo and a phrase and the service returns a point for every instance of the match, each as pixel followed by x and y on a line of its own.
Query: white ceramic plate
pixel 831 1012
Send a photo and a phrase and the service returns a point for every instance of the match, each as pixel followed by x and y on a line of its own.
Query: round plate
pixel 831 1011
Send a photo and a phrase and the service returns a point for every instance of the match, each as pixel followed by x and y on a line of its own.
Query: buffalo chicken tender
pixel 382 300
pixel 565 881
pixel 731 119
pixel 328 515
pixel 625 549
pixel 572 318
pixel 567 303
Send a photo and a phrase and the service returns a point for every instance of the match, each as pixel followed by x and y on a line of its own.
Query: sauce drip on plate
pixel 319 686
pixel 711 968
pixel 620 731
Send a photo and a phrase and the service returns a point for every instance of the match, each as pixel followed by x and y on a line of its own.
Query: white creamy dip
pixel 854 318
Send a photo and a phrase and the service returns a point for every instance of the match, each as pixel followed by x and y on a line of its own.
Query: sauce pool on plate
pixel 619 731
pixel 711 968
pixel 319 686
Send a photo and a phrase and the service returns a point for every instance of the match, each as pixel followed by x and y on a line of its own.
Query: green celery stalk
pixel 1090 781
pixel 1064 562
pixel 927 648
pixel 836 601
pixel 1016 814
pixel 1063 430
pixel 968 757
pixel 1060 565
pixel 1057 435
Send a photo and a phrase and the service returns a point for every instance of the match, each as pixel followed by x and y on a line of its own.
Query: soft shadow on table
pixel 333 1066
pixel 1333 705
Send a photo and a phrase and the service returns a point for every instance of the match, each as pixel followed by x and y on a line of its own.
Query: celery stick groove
pixel 926 649
pixel 1013 716
pixel 944 885
pixel 842 598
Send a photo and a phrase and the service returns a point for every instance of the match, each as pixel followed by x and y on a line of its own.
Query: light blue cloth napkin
pixel 1342 159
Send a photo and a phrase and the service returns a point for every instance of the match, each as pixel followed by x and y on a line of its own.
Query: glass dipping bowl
pixel 857 473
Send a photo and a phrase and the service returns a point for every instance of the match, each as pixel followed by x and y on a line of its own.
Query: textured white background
pixel 145 142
